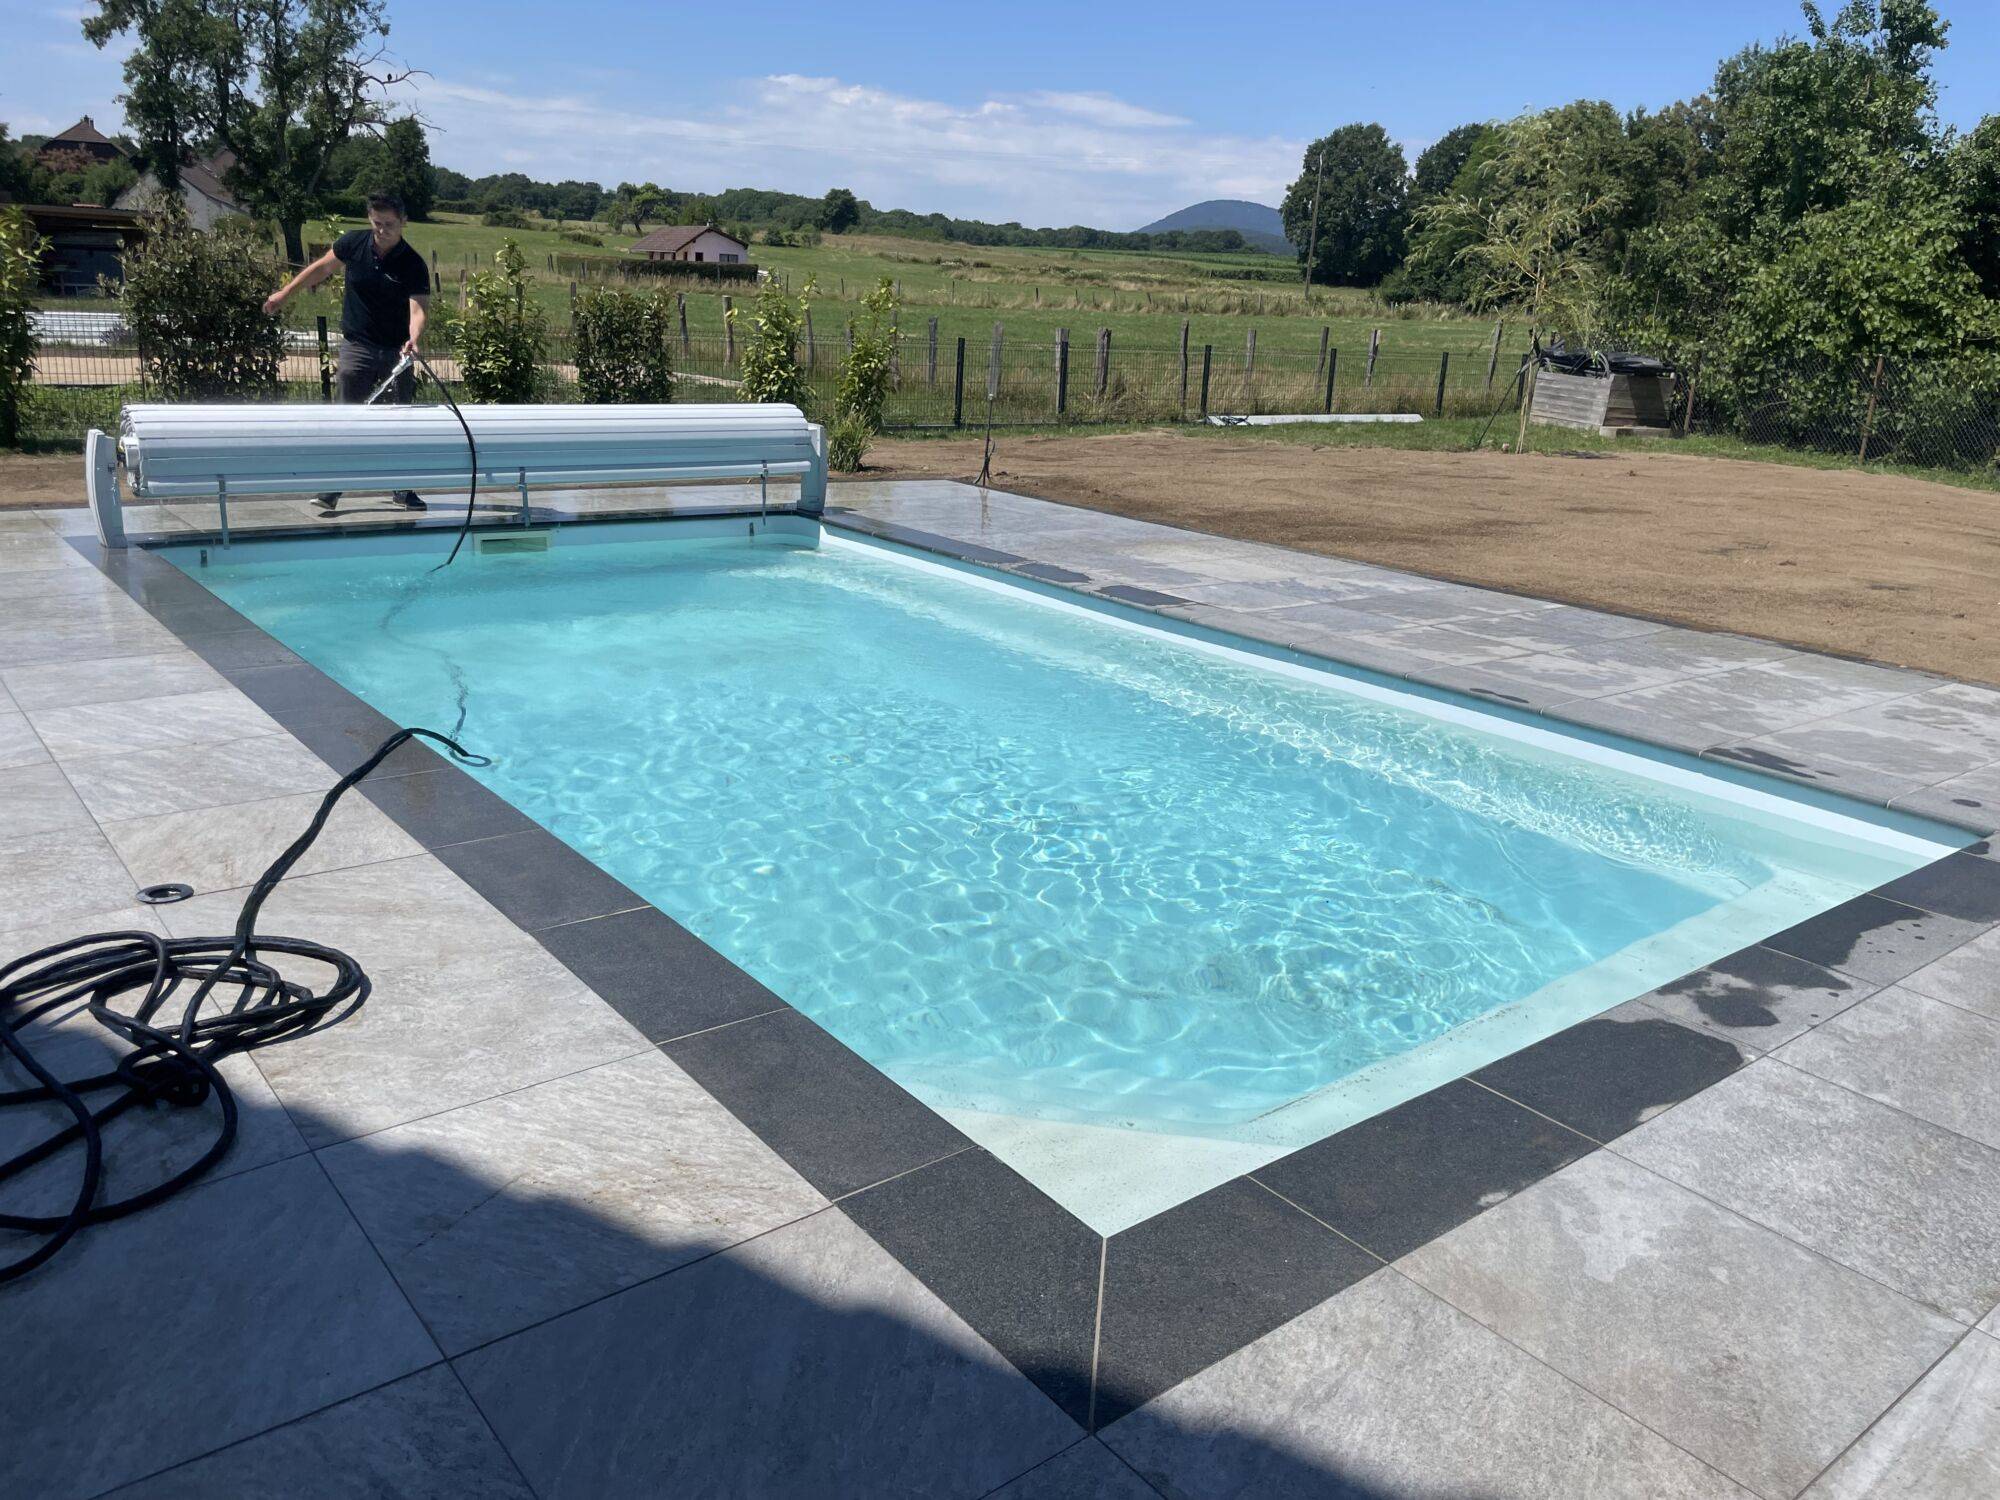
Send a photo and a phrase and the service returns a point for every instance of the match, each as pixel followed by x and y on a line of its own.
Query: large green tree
pixel 279 83
pixel 1362 183
pixel 839 211
pixel 1439 163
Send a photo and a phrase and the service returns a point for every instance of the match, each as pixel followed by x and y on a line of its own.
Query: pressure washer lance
pixel 394 375
pixel 173 1055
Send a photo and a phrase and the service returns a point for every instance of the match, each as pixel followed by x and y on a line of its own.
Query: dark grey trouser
pixel 361 368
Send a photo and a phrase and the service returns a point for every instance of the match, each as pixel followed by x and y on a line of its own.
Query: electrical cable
pixel 173 1059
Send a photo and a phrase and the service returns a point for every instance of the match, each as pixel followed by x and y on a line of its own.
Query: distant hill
pixel 1258 224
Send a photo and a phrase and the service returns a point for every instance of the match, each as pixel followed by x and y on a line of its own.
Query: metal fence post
pixel 1444 364
pixel 325 364
pixel 1207 357
pixel 1184 366
pixel 1868 422
pixel 1332 364
pixel 958 389
pixel 1062 371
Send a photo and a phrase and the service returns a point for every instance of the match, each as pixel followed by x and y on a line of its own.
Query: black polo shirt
pixel 376 309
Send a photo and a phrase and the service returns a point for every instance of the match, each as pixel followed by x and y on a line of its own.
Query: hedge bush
pixel 20 270
pixel 195 304
pixel 624 346
pixel 500 335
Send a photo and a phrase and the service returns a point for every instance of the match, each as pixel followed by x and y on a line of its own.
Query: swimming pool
pixel 1136 910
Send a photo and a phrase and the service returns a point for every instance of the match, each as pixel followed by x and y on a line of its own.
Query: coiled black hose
pixel 173 1057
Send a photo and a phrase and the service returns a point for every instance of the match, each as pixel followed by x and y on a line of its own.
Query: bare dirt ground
pixel 34 481
pixel 1889 569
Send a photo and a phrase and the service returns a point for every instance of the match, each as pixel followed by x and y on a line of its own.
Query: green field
pixel 1141 298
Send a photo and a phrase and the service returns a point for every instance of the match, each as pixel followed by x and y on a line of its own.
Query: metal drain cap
pixel 164 895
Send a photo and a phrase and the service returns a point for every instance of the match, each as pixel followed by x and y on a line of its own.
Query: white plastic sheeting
pixel 185 451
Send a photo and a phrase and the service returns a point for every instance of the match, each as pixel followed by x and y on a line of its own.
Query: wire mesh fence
pixel 1937 412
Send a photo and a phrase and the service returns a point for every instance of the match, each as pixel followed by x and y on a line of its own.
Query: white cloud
pixel 1041 158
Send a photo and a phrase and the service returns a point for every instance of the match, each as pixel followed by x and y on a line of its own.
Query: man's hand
pixel 272 303
pixel 409 345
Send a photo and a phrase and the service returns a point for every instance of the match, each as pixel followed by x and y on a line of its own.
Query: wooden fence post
pixel 1103 362
pixel 1207 358
pixel 958 389
pixel 1493 359
pixel 993 364
pixel 1868 422
pixel 1249 357
pixel 1325 334
pixel 1444 364
pixel 1374 348
pixel 325 363
pixel 895 349
pixel 812 349
pixel 728 333
pixel 930 354
pixel 1332 364
pixel 1687 412
pixel 681 302
pixel 1184 366
pixel 1062 371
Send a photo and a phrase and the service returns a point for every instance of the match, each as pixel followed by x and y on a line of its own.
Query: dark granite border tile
pixel 1128 593
pixel 1198 1282
pixel 841 1122
pixel 536 880
pixel 1005 1257
pixel 1177 1292
pixel 1965 885
pixel 927 541
pixel 1050 573
pixel 1611 1074
pixel 1874 938
pixel 1402 1178
pixel 654 972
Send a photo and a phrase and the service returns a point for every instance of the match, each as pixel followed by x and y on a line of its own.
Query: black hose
pixel 173 1058
pixel 472 450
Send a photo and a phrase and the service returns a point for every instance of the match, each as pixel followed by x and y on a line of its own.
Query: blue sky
pixel 1106 113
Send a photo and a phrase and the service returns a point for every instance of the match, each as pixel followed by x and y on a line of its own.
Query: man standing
pixel 383 314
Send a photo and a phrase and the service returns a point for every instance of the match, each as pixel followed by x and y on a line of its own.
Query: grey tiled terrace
pixel 490 1237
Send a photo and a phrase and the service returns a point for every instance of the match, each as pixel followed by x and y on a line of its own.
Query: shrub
pixel 195 305
pixel 499 336
pixel 582 237
pixel 847 440
pixel 624 346
pixel 864 383
pixel 771 369
pixel 20 267
pixel 504 218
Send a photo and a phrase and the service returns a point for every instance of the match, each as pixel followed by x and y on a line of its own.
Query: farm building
pixel 83 139
pixel 80 243
pixel 207 200
pixel 692 242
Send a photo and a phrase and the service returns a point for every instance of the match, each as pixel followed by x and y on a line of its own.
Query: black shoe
pixel 410 500
pixel 327 504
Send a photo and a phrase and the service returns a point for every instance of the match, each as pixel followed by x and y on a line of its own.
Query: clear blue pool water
pixel 1075 882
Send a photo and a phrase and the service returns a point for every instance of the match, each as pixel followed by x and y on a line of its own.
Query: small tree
pixel 839 211
pixel 864 383
pixel 500 335
pixel 406 166
pixel 195 305
pixel 624 346
pixel 771 368
pixel 20 269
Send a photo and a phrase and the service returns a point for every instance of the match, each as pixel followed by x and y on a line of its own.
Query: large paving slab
pixel 1940 1442
pixel 805 1363
pixel 1385 1391
pixel 1909 1203
pixel 503 1213
pixel 1727 1339
pixel 1924 1057
pixel 233 1307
